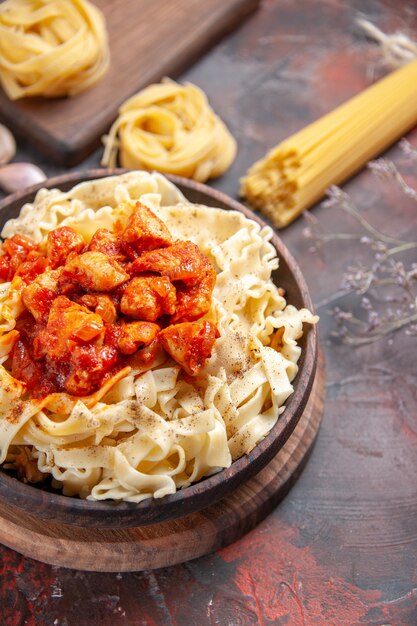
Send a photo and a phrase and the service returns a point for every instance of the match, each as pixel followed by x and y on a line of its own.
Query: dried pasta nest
pixel 170 128
pixel 51 48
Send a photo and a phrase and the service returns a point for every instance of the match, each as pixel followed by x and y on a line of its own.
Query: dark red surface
pixel 341 549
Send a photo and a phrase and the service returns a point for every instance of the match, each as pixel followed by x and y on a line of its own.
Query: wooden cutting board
pixel 149 39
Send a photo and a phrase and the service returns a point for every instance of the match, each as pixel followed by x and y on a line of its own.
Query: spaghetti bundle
pixel 51 48
pixel 296 173
pixel 170 128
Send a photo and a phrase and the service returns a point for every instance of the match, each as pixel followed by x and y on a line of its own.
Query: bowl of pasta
pixel 157 347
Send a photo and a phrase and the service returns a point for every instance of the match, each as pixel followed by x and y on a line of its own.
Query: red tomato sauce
pixel 92 308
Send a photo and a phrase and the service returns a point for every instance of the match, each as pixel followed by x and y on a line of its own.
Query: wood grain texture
pixel 38 501
pixel 148 40
pixel 171 542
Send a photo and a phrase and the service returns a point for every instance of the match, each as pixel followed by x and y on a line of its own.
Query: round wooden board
pixel 176 541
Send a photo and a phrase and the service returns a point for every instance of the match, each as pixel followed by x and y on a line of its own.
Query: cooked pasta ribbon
pixel 51 48
pixel 170 128
pixel 147 434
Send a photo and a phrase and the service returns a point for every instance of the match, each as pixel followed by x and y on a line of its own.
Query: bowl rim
pixel 41 503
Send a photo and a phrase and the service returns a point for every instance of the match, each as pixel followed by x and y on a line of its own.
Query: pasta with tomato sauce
pixel 143 344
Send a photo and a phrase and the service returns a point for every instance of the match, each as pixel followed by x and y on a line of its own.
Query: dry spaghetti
pixel 296 173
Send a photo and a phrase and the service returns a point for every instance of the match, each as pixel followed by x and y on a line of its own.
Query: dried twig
pixel 386 284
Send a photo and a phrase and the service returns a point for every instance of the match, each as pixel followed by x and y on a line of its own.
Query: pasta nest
pixel 170 128
pixel 51 48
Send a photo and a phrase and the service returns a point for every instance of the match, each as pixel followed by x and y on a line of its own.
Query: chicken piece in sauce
pixel 135 335
pixel 189 344
pixel 33 267
pixel 48 358
pixel 68 324
pixel 182 261
pixel 108 243
pixel 144 231
pixel 15 251
pixel 39 295
pixel 148 297
pixel 194 302
pixel 145 358
pixel 101 304
pixel 61 243
pixel 89 365
pixel 94 271
pixel 185 263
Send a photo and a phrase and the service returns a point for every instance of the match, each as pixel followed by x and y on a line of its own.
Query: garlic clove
pixel 17 176
pixel 7 145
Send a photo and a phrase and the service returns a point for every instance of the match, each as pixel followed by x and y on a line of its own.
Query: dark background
pixel 341 548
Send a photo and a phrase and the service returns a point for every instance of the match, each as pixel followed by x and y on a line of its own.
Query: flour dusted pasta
pixel 150 430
